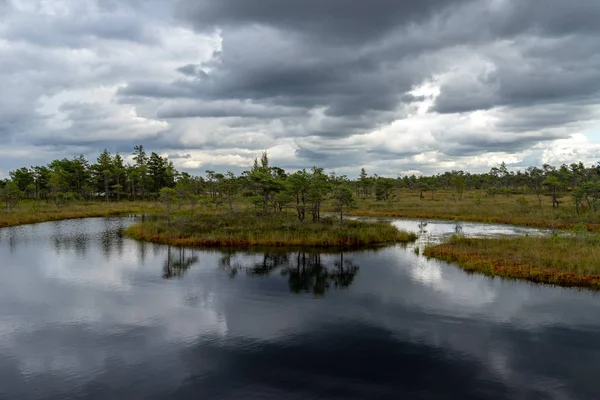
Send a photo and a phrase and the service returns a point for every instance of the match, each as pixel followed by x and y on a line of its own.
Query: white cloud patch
pixel 577 147
pixel 94 111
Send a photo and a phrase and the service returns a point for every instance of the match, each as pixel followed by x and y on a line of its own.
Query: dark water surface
pixel 85 313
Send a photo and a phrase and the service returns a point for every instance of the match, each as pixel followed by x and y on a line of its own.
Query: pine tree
pixel 141 167
pixel 102 172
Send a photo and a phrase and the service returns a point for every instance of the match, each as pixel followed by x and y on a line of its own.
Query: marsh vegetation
pixel 266 205
pixel 546 196
pixel 566 259
pixel 251 229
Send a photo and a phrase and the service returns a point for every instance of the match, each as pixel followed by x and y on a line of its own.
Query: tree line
pixel 576 180
pixel 271 189
pixel 109 178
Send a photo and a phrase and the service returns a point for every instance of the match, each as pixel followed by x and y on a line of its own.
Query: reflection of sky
pixel 77 303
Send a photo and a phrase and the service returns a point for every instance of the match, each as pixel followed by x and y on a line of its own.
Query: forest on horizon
pixel 110 178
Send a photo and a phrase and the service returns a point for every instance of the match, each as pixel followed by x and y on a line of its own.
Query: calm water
pixel 85 313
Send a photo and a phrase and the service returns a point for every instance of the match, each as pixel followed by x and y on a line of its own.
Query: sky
pixel 394 86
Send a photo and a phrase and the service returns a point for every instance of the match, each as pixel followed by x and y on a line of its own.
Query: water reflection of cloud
pixel 53 290
pixel 72 339
pixel 457 289
pixel 96 316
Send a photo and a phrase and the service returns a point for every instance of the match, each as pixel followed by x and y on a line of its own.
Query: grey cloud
pixel 160 10
pixel 194 70
pixel 522 82
pixel 96 126
pixel 78 29
pixel 223 109
pixel 270 56
pixel 337 21
pixel 294 74
pixel 68 146
pixel 457 99
pixel 459 144
pixel 547 17
pixel 332 157
pixel 532 70
pixel 546 85
pixel 514 82
pixel 302 72
pixel 312 155
pixel 175 156
pixel 527 119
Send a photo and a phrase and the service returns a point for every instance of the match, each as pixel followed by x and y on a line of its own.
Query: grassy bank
pixel 477 206
pixel 248 229
pixel 569 260
pixel 35 212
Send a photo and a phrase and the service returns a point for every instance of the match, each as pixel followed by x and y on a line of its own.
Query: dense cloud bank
pixel 395 86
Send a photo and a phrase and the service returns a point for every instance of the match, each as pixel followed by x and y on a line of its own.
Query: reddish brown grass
pixel 570 261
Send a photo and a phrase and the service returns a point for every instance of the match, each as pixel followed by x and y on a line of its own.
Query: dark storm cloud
pixel 361 24
pixel 292 73
pixel 357 59
pixel 547 17
pixel 301 74
pixel 525 81
pixel 350 60
pixel 553 57
pixel 339 21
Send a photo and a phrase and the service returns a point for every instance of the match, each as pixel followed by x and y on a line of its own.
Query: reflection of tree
pixel 112 240
pixel 75 237
pixel 307 275
pixel 225 262
pixel 344 275
pixel 141 246
pixel 12 240
pixel 306 271
pixel 270 262
pixel 177 262
pixel 78 242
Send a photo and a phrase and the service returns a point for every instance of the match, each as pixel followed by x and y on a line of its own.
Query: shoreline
pixel 79 211
pixel 50 213
pixel 591 227
pixel 523 258
pixel 247 230
pixel 471 260
pixel 68 215
pixel 251 244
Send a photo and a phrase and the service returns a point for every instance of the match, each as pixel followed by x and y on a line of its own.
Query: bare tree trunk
pixel 105 187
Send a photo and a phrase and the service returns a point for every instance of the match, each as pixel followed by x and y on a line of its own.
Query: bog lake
pixel 87 313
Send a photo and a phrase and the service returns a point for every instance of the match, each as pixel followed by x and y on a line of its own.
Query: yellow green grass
pixel 477 206
pixel 248 229
pixel 35 212
pixel 565 260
